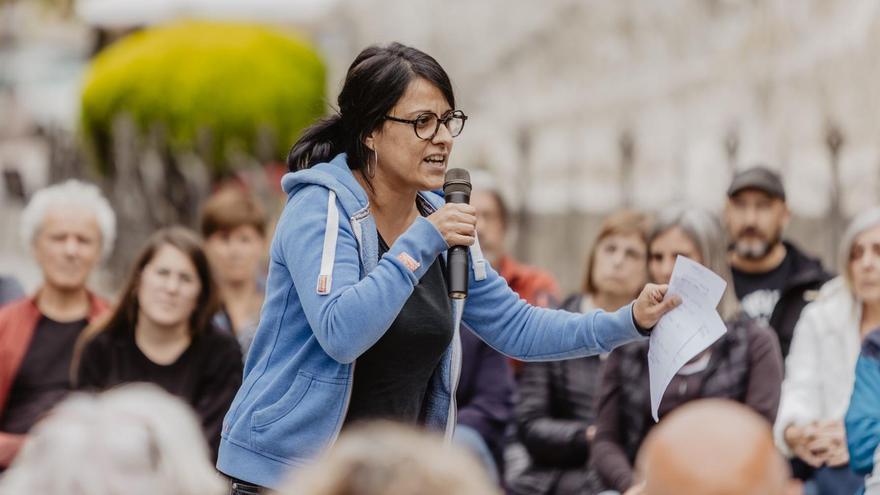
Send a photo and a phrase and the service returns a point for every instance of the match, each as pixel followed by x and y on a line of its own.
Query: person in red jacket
pixel 68 227
pixel 485 393
pixel 536 286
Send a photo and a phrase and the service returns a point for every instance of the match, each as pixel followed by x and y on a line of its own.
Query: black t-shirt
pixel 759 292
pixel 43 378
pixel 391 378
pixel 206 375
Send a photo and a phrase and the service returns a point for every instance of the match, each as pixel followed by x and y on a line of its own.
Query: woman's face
pixel 169 288
pixel 406 162
pixel 864 265
pixel 663 251
pixel 619 265
pixel 236 255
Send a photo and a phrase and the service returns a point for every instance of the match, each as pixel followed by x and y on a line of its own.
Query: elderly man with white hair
pixel 69 227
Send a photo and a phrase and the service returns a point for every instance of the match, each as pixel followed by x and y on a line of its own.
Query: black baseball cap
pixel 760 178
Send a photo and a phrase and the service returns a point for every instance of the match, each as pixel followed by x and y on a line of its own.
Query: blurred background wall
pixel 577 106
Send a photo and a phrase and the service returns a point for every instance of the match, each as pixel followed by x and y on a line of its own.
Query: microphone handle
pixel 457 268
pixel 457 259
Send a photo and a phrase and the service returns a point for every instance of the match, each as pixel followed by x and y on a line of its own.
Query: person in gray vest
pixel 744 365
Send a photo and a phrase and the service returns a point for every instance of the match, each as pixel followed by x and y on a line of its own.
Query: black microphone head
pixel 457 180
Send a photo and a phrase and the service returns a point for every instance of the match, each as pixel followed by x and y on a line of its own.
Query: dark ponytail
pixel 319 143
pixel 376 80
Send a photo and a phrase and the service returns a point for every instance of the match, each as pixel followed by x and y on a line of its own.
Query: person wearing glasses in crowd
pixel 69 228
pixel 357 323
pixel 744 365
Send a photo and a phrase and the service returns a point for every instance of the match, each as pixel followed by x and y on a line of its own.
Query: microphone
pixel 457 189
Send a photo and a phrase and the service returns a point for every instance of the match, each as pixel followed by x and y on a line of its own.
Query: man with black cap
pixel 773 279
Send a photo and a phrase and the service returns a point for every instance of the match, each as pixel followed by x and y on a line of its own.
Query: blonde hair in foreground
pixel 388 459
pixel 133 440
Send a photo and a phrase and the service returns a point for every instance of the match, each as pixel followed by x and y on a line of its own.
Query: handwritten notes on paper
pixel 688 329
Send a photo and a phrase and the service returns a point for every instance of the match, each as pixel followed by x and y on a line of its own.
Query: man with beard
pixel 773 279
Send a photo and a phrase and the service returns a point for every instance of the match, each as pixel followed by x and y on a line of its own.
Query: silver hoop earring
pixel 371 171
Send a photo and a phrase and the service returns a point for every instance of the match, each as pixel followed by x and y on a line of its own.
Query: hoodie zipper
pixel 455 368
pixel 452 413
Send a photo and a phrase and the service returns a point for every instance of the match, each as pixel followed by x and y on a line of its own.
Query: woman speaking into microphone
pixel 357 323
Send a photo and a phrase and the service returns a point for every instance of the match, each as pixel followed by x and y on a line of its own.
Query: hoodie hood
pixel 337 177
pixel 334 175
pixel 343 188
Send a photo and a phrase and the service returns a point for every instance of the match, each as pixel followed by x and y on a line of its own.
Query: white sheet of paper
pixel 688 329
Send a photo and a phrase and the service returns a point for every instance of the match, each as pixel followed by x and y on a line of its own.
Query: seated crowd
pixel 786 401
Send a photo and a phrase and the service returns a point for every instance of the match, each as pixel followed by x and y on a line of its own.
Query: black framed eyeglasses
pixel 427 124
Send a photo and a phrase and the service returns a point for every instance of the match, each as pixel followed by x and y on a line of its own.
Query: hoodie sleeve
pixel 528 333
pixel 355 312
pixel 863 416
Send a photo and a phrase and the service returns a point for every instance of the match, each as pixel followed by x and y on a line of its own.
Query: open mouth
pixel 435 160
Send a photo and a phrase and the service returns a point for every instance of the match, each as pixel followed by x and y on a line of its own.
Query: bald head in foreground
pixel 712 447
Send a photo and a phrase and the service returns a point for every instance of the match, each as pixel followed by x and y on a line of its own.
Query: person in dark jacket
pixel 556 408
pixel 485 401
pixel 744 365
pixel 774 279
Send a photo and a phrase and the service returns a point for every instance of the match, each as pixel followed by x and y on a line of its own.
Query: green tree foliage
pixel 213 88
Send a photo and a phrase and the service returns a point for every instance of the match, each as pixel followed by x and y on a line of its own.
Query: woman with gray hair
pixel 68 227
pixel 132 440
pixel 745 365
pixel 820 369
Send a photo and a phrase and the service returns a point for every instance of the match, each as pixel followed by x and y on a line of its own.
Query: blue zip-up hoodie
pixel 329 299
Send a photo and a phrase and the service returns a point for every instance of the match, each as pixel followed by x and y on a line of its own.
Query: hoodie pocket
pixel 303 421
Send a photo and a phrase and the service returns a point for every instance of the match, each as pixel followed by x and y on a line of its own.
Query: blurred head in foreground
pixel 712 447
pixel 133 440
pixel 388 459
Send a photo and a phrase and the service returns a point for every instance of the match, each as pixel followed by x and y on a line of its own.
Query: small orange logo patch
pixel 409 262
